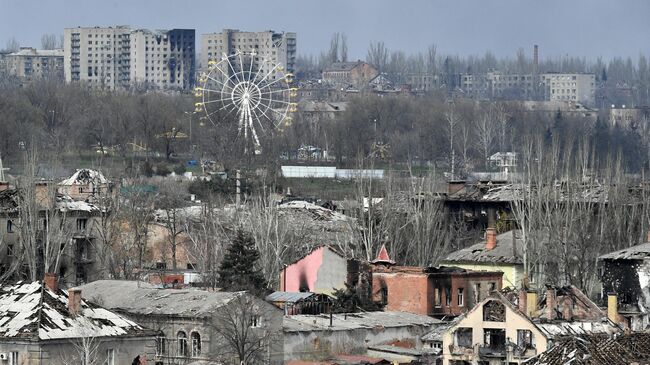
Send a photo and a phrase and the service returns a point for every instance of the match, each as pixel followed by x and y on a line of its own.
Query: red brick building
pixel 439 292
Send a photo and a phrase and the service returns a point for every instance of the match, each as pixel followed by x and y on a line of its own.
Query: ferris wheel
pixel 250 89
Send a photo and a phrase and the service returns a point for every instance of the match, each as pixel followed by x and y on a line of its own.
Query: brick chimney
pixel 612 307
pixel 531 308
pixel 523 301
pixel 490 239
pixel 74 301
pixel 550 303
pixel 51 282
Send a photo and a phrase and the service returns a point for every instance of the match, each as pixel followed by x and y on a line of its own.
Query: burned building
pixel 512 330
pixel 626 274
pixel 439 292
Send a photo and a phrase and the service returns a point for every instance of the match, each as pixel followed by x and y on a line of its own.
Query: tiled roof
pixel 29 310
pixel 638 252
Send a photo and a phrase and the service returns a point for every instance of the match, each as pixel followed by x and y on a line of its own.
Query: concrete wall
pixel 67 352
pixel 319 345
pixel 321 271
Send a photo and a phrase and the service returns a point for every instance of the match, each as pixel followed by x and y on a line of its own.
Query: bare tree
pixel 12 45
pixel 246 333
pixel 344 48
pixel 485 133
pixel 377 55
pixel 49 41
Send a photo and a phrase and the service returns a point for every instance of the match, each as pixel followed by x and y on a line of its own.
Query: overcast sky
pixel 587 28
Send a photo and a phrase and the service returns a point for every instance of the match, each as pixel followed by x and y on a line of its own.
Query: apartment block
pixel 120 57
pixel 30 63
pixel 163 59
pixel 274 47
pixel 573 87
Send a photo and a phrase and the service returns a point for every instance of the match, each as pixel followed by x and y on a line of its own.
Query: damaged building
pixel 72 225
pixel 626 273
pixel 501 329
pixel 440 292
pixel 41 324
pixel 195 325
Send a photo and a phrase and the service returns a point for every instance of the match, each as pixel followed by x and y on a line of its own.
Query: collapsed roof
pixel 33 311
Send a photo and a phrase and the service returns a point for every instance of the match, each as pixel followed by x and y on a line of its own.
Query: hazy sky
pixel 588 28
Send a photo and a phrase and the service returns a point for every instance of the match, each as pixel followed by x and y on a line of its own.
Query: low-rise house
pixel 197 325
pixel 324 270
pixel 625 273
pixel 503 252
pixel 497 331
pixel 439 292
pixel 85 184
pixel 323 336
pixel 40 324
pixel 357 74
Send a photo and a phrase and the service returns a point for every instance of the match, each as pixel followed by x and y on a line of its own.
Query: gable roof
pixel 32 311
pixel 343 66
pixel 638 252
pixel 85 177
pixel 508 250
pixel 145 299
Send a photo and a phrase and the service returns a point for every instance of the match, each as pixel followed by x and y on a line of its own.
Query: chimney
pixel 522 302
pixel 612 307
pixel 74 301
pixel 531 302
pixel 567 308
pixel 550 302
pixel 490 239
pixel 51 282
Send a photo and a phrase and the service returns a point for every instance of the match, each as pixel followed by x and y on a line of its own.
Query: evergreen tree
pixel 239 268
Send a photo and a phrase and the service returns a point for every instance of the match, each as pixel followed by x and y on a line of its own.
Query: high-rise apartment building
pixel 120 57
pixel 274 47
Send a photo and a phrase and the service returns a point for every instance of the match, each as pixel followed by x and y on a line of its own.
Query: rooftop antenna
pixel 2 171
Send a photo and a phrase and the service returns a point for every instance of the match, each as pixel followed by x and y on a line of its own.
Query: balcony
pixel 492 351
pixel 461 350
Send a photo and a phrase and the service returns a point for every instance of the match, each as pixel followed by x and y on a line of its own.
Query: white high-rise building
pixel 120 57
pixel 274 47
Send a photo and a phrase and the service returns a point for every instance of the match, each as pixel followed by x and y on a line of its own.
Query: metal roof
pixel 284 296
pixel 29 310
pixel 638 252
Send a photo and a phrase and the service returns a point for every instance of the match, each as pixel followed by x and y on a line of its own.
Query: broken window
pixel 448 296
pixel 495 339
pixel 477 293
pixel 10 250
pixel 196 344
pixel 10 226
pixel 436 297
pixel 494 311
pixel 524 339
pixel 384 295
pixel 461 298
pixel 463 337
pixel 182 343
pixel 110 357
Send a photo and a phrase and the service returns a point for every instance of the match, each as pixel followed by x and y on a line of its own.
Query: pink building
pixel 321 271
